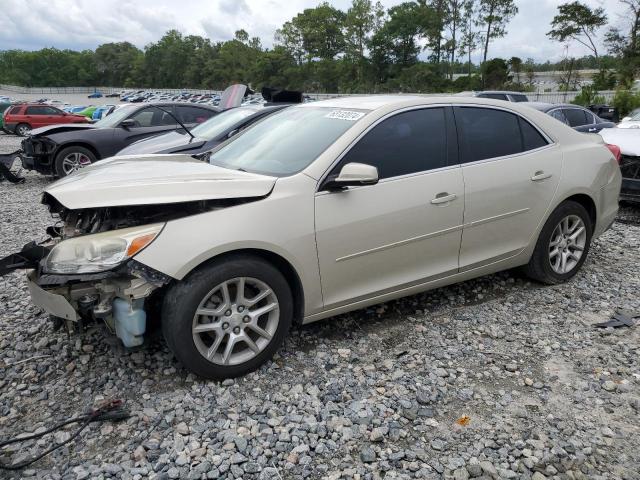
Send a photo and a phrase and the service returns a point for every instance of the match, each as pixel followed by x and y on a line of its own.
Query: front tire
pixel 228 318
pixel 562 246
pixel 23 129
pixel 72 159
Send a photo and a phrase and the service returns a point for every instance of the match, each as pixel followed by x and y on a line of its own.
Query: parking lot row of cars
pixel 261 216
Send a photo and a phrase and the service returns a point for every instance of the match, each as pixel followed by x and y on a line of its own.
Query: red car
pixel 22 118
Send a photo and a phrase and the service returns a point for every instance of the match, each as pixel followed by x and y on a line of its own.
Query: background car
pixel 577 117
pixel 205 136
pixel 88 112
pixel 634 113
pixel 62 150
pixel 3 107
pixel 95 94
pixel 631 121
pixel 22 118
pixel 502 95
pixel 102 111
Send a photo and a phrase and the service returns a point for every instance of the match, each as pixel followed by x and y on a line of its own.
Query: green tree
pixel 469 36
pixel 576 21
pixel 495 73
pixel 627 45
pixel 115 61
pixel 515 65
pixel 494 15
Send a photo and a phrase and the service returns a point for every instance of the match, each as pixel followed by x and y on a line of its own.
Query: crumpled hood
pixel 628 139
pixel 155 179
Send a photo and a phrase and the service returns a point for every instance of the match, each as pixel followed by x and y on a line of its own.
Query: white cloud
pixel 80 24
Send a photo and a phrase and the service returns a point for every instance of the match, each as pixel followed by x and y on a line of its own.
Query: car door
pixel 578 120
pixel 147 122
pixel 511 172
pixel 404 230
pixel 35 116
pixel 193 116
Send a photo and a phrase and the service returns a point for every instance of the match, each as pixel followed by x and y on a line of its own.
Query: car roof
pixel 505 92
pixel 375 102
pixel 545 107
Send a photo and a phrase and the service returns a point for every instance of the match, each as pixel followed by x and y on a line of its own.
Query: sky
pixel 85 24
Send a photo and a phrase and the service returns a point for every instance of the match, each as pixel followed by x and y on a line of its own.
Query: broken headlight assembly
pixel 101 251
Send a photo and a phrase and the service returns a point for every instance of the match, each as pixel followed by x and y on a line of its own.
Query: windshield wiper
pixel 175 118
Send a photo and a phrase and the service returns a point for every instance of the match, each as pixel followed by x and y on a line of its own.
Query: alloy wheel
pixel 236 321
pixel 74 162
pixel 567 244
pixel 23 130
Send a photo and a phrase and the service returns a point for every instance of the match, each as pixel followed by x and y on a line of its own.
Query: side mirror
pixel 352 175
pixel 128 123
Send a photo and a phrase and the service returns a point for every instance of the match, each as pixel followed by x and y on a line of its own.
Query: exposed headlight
pixel 101 251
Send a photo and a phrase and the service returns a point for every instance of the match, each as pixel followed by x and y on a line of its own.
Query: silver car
pixel 319 209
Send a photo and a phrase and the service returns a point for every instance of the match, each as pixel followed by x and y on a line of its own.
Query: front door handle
pixel 540 175
pixel 443 197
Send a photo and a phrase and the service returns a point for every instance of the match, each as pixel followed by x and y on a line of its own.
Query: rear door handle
pixel 593 129
pixel 540 175
pixel 443 197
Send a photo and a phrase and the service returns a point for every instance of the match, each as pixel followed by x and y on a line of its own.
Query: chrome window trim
pixel 550 141
pixel 371 127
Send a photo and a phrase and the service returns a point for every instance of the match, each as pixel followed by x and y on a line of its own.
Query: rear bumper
pixel 10 127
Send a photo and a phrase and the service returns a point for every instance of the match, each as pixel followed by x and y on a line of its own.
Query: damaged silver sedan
pixel 317 210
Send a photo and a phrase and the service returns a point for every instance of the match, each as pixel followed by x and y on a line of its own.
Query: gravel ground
pixel 493 378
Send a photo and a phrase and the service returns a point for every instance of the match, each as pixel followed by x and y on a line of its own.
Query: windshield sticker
pixel 345 115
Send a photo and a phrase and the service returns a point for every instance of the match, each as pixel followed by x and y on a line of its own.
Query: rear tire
pixel 221 335
pixel 562 246
pixel 23 129
pixel 72 159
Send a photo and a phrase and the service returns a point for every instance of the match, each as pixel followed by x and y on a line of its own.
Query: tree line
pixel 415 46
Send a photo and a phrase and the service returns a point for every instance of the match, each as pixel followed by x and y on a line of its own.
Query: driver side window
pixel 151 117
pixel 406 143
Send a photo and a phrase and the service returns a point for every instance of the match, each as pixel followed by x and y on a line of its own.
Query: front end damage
pixel 119 297
pixel 630 169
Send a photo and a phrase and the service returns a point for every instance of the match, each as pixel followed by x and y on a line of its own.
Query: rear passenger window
pixel 575 117
pixel 189 114
pixel 488 133
pixel 406 143
pixel 15 110
pixel 558 115
pixel 519 98
pixel 531 138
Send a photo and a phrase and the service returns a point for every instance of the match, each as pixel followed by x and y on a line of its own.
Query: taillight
pixel 616 151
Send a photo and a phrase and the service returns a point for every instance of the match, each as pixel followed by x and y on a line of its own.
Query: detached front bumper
pixel 52 303
pixel 118 297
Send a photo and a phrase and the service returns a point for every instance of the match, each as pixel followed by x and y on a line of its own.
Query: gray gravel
pixel 492 378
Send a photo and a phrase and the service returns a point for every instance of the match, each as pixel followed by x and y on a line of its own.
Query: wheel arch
pixel 282 264
pixel 587 202
pixel 78 143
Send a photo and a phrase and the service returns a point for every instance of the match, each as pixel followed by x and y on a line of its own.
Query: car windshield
pixel 111 121
pixel 221 122
pixel 286 142
pixel 635 116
